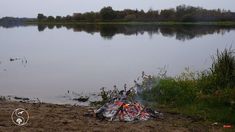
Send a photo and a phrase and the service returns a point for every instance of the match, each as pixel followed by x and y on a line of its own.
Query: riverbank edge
pixel 227 23
pixel 46 116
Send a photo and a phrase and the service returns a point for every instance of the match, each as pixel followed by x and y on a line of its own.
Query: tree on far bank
pixel 50 18
pixel 107 13
pixel 41 17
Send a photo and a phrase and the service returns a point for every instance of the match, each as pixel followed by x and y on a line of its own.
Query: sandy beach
pixel 53 117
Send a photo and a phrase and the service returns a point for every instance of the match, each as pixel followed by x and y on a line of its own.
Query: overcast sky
pixel 30 8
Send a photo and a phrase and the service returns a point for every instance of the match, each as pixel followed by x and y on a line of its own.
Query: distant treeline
pixel 12 21
pixel 181 13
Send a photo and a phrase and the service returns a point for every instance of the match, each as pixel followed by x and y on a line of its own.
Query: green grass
pixel 185 97
pixel 209 95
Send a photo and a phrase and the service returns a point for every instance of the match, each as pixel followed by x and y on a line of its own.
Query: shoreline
pixel 55 117
pixel 169 23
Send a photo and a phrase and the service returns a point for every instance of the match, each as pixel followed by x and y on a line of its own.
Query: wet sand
pixel 52 117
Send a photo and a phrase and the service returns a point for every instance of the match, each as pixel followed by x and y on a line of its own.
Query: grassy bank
pixel 209 94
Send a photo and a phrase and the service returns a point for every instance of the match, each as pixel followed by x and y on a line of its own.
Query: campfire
pixel 124 105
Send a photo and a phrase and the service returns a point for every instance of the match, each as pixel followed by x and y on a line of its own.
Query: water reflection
pixel 179 32
pixel 83 63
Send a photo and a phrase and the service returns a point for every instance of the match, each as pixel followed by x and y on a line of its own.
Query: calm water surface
pixel 46 63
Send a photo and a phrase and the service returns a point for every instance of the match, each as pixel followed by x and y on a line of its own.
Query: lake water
pixel 45 62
